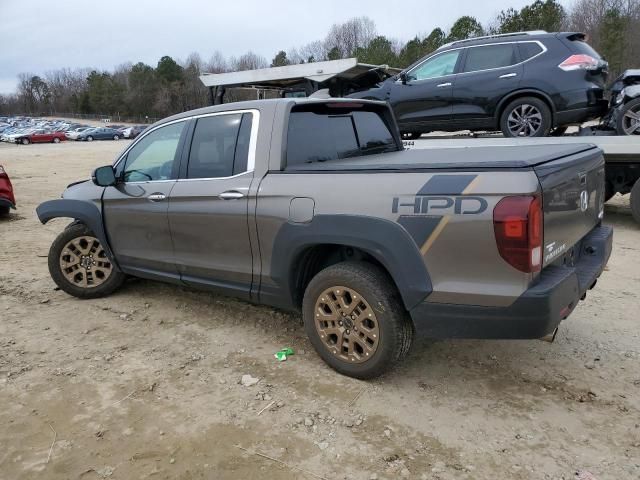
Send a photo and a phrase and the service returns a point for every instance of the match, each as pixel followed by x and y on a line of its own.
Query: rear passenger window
pixel 324 136
pixel 220 146
pixel 490 56
pixel 529 49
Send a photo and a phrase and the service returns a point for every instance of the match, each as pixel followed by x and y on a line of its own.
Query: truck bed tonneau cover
pixel 476 157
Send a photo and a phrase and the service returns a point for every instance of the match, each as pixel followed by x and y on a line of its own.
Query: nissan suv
pixel 526 84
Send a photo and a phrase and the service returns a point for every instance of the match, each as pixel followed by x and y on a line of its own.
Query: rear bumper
pixel 536 313
pixel 578 106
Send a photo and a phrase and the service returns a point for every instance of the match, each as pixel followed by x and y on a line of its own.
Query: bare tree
pixel 216 64
pixel 348 36
pixel 248 61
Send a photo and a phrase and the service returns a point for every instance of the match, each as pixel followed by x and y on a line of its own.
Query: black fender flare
pixel 386 241
pixel 81 211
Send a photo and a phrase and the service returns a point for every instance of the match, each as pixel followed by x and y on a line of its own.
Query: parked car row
pixel 26 130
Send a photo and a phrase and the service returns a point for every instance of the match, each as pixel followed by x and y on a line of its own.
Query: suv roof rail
pixel 497 35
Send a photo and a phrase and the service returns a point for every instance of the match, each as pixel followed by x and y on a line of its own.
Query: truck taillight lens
pixel 517 223
pixel 580 62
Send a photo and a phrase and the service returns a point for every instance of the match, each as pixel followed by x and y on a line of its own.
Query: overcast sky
pixel 41 35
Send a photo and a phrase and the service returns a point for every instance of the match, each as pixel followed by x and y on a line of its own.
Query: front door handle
pixel 156 197
pixel 447 84
pixel 508 75
pixel 231 195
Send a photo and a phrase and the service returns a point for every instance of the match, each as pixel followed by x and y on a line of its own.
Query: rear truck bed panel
pixel 447 217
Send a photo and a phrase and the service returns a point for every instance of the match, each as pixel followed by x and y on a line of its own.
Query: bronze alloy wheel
pixel 346 324
pixel 84 263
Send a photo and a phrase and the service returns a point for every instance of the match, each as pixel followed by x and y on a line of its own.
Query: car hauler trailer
pixel 340 77
pixel 621 154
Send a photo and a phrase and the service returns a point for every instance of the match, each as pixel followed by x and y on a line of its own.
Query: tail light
pixel 517 223
pixel 580 62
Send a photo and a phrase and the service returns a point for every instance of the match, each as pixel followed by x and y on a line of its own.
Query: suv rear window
pixel 580 46
pixel 529 49
pixel 490 56
pixel 320 135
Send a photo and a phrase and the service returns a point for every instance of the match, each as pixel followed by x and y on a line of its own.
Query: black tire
pixel 621 128
pixel 4 210
pixel 543 128
pixel 55 140
pixel 89 138
pixel 635 201
pixel 25 141
pixel 376 289
pixel 116 137
pixel 108 285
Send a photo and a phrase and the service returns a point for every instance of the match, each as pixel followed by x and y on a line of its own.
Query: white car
pixel 73 134
pixel 11 138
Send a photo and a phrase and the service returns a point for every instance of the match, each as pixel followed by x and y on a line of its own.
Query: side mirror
pixel 104 176
pixel 403 78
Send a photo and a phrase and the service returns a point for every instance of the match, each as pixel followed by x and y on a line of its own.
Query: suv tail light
pixel 580 62
pixel 517 223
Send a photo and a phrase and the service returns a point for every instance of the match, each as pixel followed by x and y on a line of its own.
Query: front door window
pixel 153 157
pixel 438 66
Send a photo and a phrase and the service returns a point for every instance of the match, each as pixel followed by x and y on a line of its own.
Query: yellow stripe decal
pixel 434 236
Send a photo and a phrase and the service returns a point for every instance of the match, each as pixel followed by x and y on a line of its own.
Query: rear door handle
pixel 156 197
pixel 231 195
pixel 447 84
pixel 508 75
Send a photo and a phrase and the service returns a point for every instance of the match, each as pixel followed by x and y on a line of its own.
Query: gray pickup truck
pixel 314 206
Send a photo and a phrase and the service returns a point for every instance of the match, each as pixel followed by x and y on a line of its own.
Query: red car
pixel 41 136
pixel 7 200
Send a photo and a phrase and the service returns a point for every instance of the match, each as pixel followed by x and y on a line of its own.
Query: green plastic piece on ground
pixel 282 355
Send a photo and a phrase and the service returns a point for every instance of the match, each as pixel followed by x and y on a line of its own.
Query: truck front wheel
pixel 78 264
pixel 635 201
pixel 355 320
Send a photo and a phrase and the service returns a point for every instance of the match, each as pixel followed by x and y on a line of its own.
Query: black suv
pixel 525 84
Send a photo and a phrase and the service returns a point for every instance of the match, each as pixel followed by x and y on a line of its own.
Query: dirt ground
pixel 145 383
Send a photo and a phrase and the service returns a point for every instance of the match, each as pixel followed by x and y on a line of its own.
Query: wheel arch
pixel 301 250
pixel 528 92
pixel 82 212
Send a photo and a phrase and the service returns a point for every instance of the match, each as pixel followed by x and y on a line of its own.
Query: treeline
pixel 613 28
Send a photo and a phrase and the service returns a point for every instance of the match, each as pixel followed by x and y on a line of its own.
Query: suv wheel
pixel 526 117
pixel 635 201
pixel 355 320
pixel 628 121
pixel 79 265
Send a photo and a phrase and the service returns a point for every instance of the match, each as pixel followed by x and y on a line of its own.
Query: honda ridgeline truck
pixel 314 205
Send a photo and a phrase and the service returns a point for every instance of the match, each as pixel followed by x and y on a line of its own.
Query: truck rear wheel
pixel 635 201
pixel 355 319
pixel 79 265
